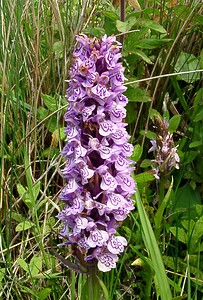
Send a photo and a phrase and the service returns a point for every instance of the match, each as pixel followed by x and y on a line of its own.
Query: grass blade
pixel 154 252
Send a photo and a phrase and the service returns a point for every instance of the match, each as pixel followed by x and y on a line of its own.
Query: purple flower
pixel 166 156
pixel 97 171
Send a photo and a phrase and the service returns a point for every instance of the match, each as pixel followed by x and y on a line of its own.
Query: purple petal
pixel 97 238
pixel 106 128
pixel 101 91
pixel 108 182
pixel 120 137
pixel 107 261
pixel 116 244
pixel 117 114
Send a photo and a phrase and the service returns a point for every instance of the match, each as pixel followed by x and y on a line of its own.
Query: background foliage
pixel 160 38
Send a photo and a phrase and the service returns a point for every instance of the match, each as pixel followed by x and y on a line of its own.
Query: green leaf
pixel 17 217
pixel 58 49
pixel 50 102
pixel 180 234
pixel 43 294
pixel 131 113
pixel 123 26
pixel 137 152
pixel 2 274
pixel 159 214
pixel 198 98
pixel 201 59
pixel 149 134
pixel 130 43
pixel 195 144
pixel 154 113
pixel 94 31
pixel 104 289
pixel 111 15
pixel 23 264
pixel 23 193
pixel 28 291
pixel 25 225
pixel 183 12
pixel 42 113
pixel 51 124
pixel 36 189
pixel 187 62
pixel 154 252
pixel 174 123
pixel 137 95
pixel 152 43
pixel 152 25
pixel 35 265
pixel 146 163
pixel 186 199
pixel 144 177
pixel 141 54
pixel 199 116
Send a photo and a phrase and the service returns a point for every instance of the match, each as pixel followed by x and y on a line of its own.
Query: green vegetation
pixel 163 59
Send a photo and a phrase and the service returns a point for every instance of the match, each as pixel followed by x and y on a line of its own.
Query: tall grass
pixel 37 40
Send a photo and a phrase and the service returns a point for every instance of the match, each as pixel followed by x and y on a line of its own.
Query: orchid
pixel 97 171
pixel 166 156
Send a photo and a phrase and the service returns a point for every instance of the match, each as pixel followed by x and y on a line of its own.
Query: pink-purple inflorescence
pixel 97 171
pixel 166 156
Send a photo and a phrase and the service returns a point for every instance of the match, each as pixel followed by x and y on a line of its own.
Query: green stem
pixel 163 200
pixel 93 286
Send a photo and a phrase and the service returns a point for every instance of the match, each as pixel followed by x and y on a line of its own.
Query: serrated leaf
pixel 174 123
pixel 43 294
pixel 50 102
pixel 144 177
pixel 25 225
pixel 23 264
pixel 35 265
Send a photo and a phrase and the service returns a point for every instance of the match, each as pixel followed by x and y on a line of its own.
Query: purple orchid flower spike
pixel 98 179
pixel 166 156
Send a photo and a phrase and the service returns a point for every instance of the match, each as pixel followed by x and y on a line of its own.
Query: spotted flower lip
pixel 97 170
